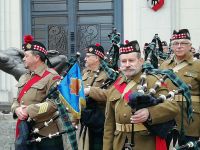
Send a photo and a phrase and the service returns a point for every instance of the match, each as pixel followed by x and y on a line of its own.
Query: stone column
pixel 10 36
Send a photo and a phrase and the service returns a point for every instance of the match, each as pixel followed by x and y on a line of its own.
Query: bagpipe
pixel 29 135
pixel 154 52
pixel 113 53
pixel 144 98
pixel 190 145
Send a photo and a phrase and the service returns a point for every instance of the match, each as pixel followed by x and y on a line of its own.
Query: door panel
pixel 67 29
pixel 57 38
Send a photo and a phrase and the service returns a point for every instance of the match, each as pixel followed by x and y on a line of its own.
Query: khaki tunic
pixel 118 111
pixel 88 77
pixel 38 110
pixel 191 75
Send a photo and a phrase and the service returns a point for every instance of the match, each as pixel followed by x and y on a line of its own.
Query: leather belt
pixel 179 98
pixel 128 127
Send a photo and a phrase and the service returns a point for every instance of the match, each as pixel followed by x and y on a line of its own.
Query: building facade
pixel 71 25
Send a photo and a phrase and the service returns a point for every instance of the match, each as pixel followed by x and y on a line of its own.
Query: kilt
pixel 95 140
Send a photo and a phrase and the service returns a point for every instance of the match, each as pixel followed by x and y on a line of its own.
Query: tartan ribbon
pixel 111 73
pixel 70 129
pixel 176 81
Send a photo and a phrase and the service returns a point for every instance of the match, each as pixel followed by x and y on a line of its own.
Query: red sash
pixel 121 87
pixel 26 87
pixel 160 143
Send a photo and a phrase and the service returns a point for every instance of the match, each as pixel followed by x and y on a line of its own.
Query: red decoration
pixel 97 44
pixel 28 39
pixel 127 41
pixel 155 4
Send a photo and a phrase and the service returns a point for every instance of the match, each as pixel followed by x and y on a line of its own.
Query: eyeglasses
pixel 180 43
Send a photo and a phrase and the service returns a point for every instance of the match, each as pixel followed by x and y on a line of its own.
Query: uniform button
pixel 25 92
pixel 125 115
pixel 126 104
pixel 22 102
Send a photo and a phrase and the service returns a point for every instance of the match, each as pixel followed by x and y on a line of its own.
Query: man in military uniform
pixel 187 68
pixel 33 86
pixel 118 113
pixel 92 118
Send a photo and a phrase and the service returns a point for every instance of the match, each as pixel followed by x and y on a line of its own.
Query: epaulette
pixel 52 71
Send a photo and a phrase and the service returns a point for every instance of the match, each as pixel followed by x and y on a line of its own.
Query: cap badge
pixel 90 49
pixel 28 46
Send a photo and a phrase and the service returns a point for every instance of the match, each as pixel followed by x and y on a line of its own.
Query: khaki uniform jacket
pixel 38 110
pixel 191 75
pixel 118 111
pixel 88 77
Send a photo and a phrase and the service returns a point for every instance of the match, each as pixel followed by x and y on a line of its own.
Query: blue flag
pixel 71 91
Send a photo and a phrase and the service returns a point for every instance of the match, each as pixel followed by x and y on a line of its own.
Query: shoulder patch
pixel 42 107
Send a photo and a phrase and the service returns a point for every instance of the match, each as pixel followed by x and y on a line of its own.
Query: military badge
pixel 137 47
pixel 90 49
pixel 28 46
pixel 155 4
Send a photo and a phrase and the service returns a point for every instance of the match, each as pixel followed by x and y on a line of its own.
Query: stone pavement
pixel 7 131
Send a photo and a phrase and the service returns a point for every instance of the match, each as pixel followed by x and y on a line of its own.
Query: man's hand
pixel 21 112
pixel 140 116
pixel 87 91
pixel 75 123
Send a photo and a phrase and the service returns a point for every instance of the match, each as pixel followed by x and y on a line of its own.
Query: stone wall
pixel 7 131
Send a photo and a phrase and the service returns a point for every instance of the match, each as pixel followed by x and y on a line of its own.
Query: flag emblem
pixel 155 4
pixel 71 91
